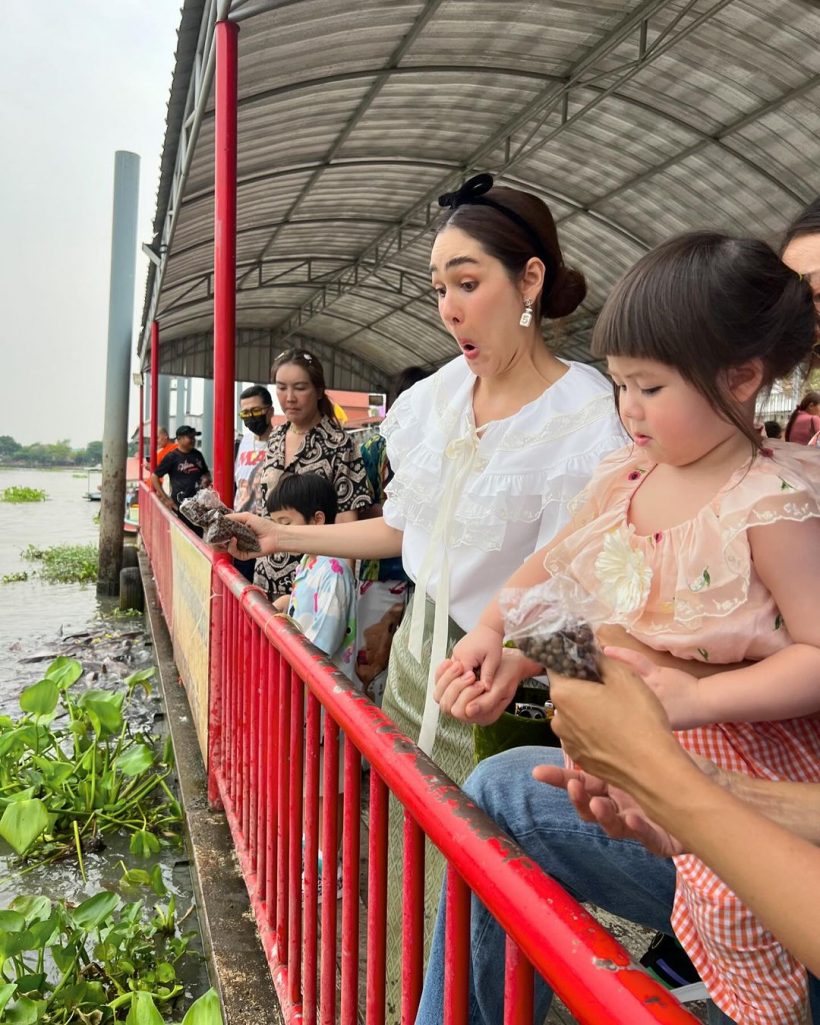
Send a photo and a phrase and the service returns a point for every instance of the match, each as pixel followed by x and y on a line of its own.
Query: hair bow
pixel 469 192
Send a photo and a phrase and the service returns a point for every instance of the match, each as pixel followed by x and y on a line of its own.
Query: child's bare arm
pixel 786 685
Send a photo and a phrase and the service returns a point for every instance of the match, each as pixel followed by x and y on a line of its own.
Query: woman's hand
pixel 617 730
pixel 616 812
pixel 480 650
pixel 461 695
pixel 267 534
pixel 680 693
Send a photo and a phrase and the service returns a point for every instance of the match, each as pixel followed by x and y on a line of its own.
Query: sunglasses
pixel 250 414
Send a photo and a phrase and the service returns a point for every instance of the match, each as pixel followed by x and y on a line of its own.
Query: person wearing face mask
pixel 256 414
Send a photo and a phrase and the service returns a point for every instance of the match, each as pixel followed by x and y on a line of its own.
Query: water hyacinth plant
pixel 72 769
pixel 65 564
pixel 101 961
pixel 22 494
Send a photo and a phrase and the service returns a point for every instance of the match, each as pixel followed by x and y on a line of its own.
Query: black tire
pixel 131 594
pixel 129 556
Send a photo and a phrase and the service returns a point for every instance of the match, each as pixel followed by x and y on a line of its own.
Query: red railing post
pixel 311 857
pixel 412 963
pixel 141 429
pixel 152 454
pixel 330 804
pixel 225 256
pixel 377 900
pixel 351 836
pixel 518 987
pixel 456 949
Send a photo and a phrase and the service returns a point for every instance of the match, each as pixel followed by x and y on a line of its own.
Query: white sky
pixel 79 80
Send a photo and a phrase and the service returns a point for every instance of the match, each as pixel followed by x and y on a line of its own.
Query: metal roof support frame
pixel 225 138
pixel 551 99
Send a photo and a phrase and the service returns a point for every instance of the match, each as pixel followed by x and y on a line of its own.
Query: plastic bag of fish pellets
pixel 553 624
pixel 205 509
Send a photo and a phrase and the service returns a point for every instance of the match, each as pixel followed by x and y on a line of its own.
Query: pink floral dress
pixel 693 591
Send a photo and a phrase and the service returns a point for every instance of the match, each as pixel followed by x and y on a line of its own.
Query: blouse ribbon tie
pixel 461 453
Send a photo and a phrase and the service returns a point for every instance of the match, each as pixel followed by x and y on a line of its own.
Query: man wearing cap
pixel 185 467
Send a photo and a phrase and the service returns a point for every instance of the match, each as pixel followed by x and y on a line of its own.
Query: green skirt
pixel 452 751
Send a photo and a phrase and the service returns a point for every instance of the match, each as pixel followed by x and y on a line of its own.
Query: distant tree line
pixel 59 453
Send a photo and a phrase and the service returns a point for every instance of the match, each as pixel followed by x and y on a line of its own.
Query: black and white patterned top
pixel 327 450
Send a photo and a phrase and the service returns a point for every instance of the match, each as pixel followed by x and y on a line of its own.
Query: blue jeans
pixel 617 875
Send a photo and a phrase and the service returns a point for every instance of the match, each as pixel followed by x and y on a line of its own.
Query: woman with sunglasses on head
pixel 310 441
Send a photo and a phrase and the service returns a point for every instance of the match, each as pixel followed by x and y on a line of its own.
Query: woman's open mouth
pixel 468 348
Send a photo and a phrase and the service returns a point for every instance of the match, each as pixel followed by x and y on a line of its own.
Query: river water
pixel 33 611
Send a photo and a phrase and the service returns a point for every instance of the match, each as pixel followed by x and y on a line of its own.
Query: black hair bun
pixel 567 293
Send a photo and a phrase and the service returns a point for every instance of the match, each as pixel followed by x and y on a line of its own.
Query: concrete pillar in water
pixel 118 371
pixel 206 442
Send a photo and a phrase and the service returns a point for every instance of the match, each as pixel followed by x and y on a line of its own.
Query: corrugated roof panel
pixel 353 116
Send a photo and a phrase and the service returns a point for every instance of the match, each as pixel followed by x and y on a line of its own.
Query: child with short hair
pixel 702 540
pixel 323 599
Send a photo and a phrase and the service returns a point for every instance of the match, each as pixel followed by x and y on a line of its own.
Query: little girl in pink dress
pixel 705 547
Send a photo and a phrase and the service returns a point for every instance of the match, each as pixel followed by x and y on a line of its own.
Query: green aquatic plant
pixel 101 961
pixel 65 564
pixel 72 769
pixel 14 578
pixel 23 494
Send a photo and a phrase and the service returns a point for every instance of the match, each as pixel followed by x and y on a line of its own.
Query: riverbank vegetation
pixel 21 494
pixel 58 453
pixel 65 564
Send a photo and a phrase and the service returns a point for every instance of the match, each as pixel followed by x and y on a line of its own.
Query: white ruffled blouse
pixel 474 505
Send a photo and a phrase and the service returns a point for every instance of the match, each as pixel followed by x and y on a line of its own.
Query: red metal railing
pixel 268 688
pixel 155 530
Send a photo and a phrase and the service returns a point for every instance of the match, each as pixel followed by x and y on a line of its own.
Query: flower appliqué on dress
pixel 623 573
pixel 702 581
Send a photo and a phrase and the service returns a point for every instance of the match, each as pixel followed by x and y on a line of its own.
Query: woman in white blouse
pixel 487 453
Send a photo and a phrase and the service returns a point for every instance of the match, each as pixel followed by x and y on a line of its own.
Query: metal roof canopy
pixel 632 120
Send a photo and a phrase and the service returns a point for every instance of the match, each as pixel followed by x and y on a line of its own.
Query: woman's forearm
pixel 775 872
pixel 363 539
pixel 794 806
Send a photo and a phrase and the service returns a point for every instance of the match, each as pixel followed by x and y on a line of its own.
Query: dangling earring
pixel 526 316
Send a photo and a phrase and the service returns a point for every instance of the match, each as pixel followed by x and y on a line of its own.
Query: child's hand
pixel 462 696
pixel 679 692
pixel 480 650
pixel 282 602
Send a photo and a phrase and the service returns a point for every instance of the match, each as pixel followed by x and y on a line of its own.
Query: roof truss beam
pixel 540 108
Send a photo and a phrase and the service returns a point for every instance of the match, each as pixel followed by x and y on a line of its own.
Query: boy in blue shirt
pixel 323 599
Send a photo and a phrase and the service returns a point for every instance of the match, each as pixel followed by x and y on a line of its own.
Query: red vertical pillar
pixel 140 438
pixel 152 453
pixel 225 257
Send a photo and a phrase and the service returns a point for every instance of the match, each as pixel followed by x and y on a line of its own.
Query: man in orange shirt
pixel 165 445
